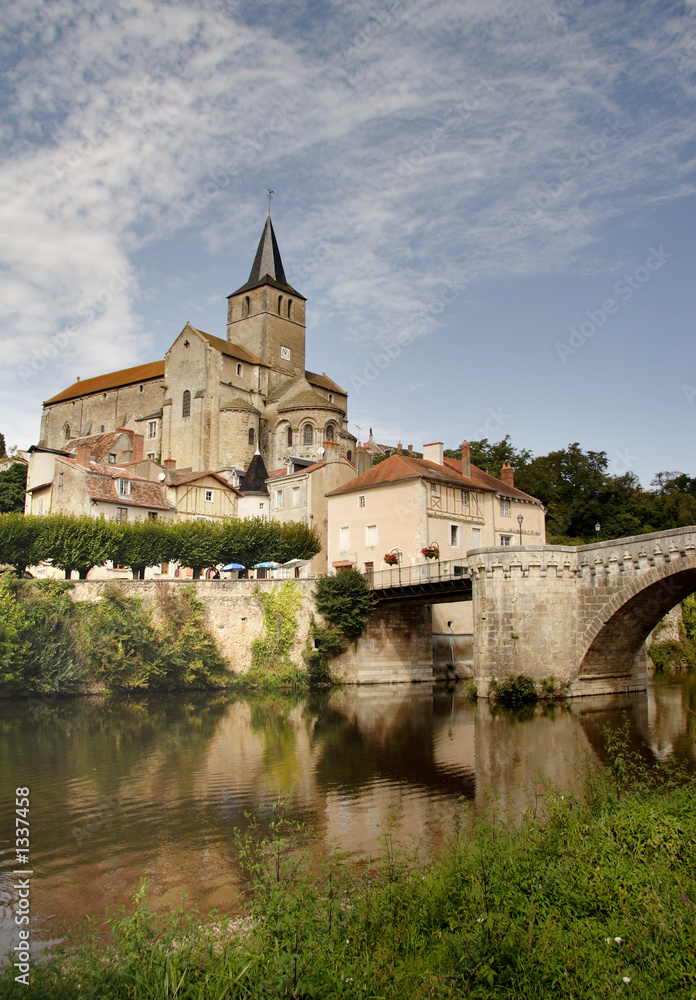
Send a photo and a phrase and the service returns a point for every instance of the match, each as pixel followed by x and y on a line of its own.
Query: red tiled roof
pixel 176 478
pixel 114 380
pixel 490 482
pixel 278 473
pixel 400 468
pixel 143 493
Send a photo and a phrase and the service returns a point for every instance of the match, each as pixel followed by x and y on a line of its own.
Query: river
pixel 159 787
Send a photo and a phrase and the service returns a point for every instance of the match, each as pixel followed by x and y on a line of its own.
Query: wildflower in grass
pixel 626 979
pixel 479 920
pixel 618 940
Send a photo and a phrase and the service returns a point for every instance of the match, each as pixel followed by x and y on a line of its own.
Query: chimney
pixel 433 452
pixel 83 454
pixel 466 460
pixel 332 452
pixel 363 459
pixel 507 474
pixel 169 463
pixel 138 447
pixel 410 449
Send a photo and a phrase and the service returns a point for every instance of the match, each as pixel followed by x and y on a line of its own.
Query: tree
pixel 3 452
pixel 140 544
pixel 13 485
pixel 20 541
pixel 77 543
pixel 491 457
pixel 196 544
pixel 345 601
pixel 296 541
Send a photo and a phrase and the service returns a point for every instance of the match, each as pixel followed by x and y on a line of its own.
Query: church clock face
pixel 285 354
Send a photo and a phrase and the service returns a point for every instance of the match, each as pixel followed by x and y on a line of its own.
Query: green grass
pixel 585 893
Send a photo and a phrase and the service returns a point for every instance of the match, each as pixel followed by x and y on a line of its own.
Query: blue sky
pixel 488 204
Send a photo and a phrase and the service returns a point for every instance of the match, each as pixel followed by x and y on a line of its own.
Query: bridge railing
pixel 411 576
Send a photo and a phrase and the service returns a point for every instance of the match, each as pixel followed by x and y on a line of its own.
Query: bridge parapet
pixel 581 614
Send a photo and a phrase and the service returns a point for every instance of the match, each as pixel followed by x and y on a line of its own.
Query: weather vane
pixel 270 195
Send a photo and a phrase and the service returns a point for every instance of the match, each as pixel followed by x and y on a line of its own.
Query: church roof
pixel 231 350
pixel 256 476
pixel 114 380
pixel 239 404
pixel 324 382
pixel 308 400
pixel 267 268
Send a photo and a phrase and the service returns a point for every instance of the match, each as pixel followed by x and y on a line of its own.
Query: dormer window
pixel 112 458
pixel 124 487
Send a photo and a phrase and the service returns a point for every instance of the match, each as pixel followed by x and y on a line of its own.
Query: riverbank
pixel 592 895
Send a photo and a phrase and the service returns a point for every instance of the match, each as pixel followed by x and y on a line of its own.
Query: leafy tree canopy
pixel 13 484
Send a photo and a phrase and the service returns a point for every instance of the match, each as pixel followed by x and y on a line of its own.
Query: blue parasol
pixel 267 565
pixel 232 566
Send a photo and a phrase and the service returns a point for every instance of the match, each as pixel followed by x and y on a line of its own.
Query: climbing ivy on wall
pixel 269 655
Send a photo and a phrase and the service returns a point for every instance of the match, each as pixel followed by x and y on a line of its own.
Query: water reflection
pixel 158 787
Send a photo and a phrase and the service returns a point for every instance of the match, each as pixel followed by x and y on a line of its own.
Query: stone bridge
pixel 579 614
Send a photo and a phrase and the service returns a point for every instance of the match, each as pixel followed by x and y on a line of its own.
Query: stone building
pixel 405 504
pixel 212 402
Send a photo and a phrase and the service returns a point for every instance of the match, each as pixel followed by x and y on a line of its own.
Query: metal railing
pixel 412 576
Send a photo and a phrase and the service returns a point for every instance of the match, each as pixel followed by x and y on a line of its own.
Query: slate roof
pixel 279 473
pixel 267 268
pixel 114 380
pixel 256 476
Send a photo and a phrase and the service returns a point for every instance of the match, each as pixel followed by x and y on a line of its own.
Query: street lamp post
pixel 598 528
pixel 520 519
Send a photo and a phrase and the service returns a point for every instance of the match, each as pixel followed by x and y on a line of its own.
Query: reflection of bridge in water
pixel 580 614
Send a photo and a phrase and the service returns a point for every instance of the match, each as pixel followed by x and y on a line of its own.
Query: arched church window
pixel 331 397
pixel 246 306
pixel 308 436
pixel 186 404
pixel 66 431
pixel 239 369
pixel 289 437
pixel 280 303
pixel 349 455
pixel 251 435
pixel 329 433
pixel 289 308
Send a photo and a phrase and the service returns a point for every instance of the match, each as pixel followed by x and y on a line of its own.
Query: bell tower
pixel 266 316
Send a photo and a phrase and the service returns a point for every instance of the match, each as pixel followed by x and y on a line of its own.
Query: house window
pixel 239 369
pixel 308 434
pixel 505 508
pixel 465 498
pixel 506 539
pixel 289 437
pixel 112 458
pixel 251 436
pixel 475 538
pixel 208 496
pixel 152 515
pixel 152 429
pixel 151 455
pixel 329 432
pixel 60 478
pixel 186 404
pixel 102 429
pixel 344 535
pixel 279 499
pixel 455 536
pixel 361 501
pixel 296 496
pixel 121 514
pixel 124 487
pixel 371 535
pixel 433 488
pixel 40 506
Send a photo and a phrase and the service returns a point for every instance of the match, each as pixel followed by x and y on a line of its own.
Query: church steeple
pixel 267 268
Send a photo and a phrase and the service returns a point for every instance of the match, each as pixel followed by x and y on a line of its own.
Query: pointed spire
pixel 256 475
pixel 268 265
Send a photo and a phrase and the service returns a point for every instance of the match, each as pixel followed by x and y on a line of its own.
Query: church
pixel 212 403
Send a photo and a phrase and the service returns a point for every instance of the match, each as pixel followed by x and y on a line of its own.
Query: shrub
pixel 116 639
pixel 346 601
pixel 52 663
pixel 188 652
pixel 514 691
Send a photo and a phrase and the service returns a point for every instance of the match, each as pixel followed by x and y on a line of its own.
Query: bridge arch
pixel 614 636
